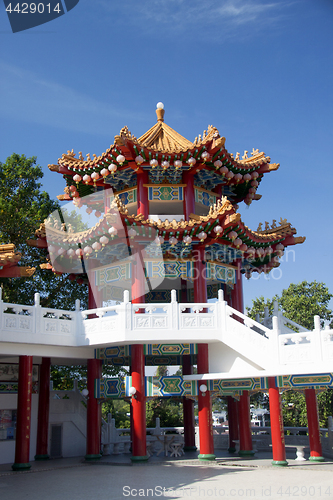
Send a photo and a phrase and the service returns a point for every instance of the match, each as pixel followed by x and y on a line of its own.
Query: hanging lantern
pixel 237 242
pixel 112 168
pixel 254 183
pixel 89 210
pixel 260 252
pixel 247 177
pixel 79 252
pixel 178 164
pixel 113 232
pixel 153 163
pixel 191 161
pixel 224 170
pixel 238 177
pixel 230 175
pixel 165 165
pixel 187 240
pixel 139 160
pixel 218 230
pixel 243 247
pixel 279 246
pixel 269 250
pixel 120 159
pixel 205 156
pixel 87 250
pixel 232 235
pixel 173 241
pixel 98 214
pixel 104 172
pixel 159 240
pixel 202 235
pixel 70 252
pixel 132 233
pixel 52 248
pixel 251 252
pixel 217 164
pixel 72 189
pixel 77 178
pixel 96 246
pixel 61 251
pixel 254 175
pixel 86 178
pixel 104 240
pixel 95 177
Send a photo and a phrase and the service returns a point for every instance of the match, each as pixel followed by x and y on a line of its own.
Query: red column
pixel 142 194
pixel 233 423
pixel 139 448
pixel 313 426
pixel 22 445
pixel 204 401
pixel 237 301
pixel 244 421
pixel 43 411
pixel 277 432
pixel 93 411
pixel 188 411
pixel 189 200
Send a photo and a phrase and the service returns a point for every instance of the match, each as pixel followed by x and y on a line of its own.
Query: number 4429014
pixel 33 8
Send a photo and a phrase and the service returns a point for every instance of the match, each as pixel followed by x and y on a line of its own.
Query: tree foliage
pixel 300 303
pixel 23 207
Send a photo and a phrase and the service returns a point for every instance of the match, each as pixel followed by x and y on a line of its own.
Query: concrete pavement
pixel 115 477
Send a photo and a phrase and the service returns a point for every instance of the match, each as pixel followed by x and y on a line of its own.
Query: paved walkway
pixel 115 477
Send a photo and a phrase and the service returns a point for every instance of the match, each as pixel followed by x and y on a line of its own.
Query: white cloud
pixel 182 15
pixel 29 97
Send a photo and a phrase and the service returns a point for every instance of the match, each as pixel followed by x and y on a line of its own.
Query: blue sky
pixel 259 71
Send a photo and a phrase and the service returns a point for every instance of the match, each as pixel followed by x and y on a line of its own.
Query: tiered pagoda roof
pixel 165 154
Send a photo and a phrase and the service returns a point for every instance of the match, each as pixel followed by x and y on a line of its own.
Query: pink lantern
pixel 70 252
pixel 173 241
pixel 153 163
pixel 232 235
pixel 178 164
pixel 217 164
pixel 87 250
pixel 187 240
pixel 96 246
pixel 247 177
pixel 104 240
pixel 254 175
pixel 224 170
pixel 132 233
pixel 238 177
pixel 191 161
pixel 89 210
pixel 202 235
pixel 86 178
pixel 254 183
pixel 165 165
pixel 139 160
pixel 230 175
pixel 120 159
pixel 79 252
pixel 98 214
pixel 113 232
pixel 237 242
pixel 205 156
pixel 159 240
pixel 218 230
pixel 243 247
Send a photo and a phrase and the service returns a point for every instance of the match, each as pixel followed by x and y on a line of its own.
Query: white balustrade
pixel 213 322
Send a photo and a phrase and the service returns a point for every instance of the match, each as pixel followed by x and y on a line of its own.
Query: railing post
pixel 275 339
pixel 37 315
pixel 174 310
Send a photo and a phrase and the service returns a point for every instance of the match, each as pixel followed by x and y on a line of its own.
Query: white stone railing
pixel 213 323
pixel 118 440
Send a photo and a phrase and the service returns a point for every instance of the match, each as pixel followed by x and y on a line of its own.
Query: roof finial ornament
pixel 160 111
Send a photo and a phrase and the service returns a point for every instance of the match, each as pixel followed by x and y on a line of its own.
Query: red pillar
pixel 244 421
pixel 277 432
pixel 139 448
pixel 22 445
pixel 237 300
pixel 142 194
pixel 188 411
pixel 189 199
pixel 43 411
pixel 93 411
pixel 233 423
pixel 204 401
pixel 313 426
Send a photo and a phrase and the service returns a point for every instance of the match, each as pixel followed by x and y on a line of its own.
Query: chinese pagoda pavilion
pixel 167 230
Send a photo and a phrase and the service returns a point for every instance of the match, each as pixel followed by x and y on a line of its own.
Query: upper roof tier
pixel 166 154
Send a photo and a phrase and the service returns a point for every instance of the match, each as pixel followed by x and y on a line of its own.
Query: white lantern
pixel 178 164
pixel 173 241
pixel 218 230
pixel 205 156
pixel 202 235
pixel 112 168
pixel 132 233
pixel 153 163
pixel 187 240
pixel 165 165
pixel 120 159
pixel 87 250
pixel 86 178
pixel 139 160
pixel 191 161
pixel 104 240
pixel 113 232
pixel 217 164
pixel 96 246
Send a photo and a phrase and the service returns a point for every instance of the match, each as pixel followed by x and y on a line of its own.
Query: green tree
pixel 23 207
pixel 300 303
